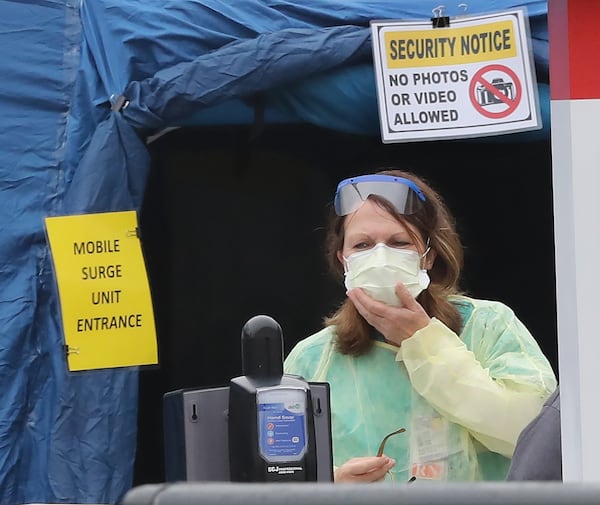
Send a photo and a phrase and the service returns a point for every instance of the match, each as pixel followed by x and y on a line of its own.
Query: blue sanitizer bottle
pixel 271 424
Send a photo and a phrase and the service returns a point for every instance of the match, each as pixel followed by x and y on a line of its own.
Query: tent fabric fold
pixel 242 69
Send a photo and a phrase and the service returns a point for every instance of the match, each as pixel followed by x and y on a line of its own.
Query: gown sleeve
pixel 493 389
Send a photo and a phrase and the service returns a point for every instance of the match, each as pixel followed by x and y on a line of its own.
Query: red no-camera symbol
pixel 502 92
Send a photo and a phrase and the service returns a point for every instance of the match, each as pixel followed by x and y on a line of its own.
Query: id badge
pixel 429 445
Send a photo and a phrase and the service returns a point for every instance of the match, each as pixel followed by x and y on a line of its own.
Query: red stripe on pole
pixel 574 34
pixel 558 34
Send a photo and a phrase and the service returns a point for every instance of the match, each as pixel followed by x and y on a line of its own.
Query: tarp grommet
pixel 119 104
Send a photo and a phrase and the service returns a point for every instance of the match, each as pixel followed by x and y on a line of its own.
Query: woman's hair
pixel 433 221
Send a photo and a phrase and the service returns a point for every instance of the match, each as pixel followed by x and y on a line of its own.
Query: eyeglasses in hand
pixel 386 438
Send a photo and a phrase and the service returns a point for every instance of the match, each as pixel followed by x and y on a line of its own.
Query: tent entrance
pixel 232 226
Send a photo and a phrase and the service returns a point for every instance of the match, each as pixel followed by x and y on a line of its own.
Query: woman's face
pixel 370 225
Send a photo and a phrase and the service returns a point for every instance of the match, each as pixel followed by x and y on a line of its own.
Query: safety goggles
pixel 402 193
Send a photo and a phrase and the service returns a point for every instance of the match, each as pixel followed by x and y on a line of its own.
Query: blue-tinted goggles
pixel 402 193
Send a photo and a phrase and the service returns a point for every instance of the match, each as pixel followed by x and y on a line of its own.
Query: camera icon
pixel 486 97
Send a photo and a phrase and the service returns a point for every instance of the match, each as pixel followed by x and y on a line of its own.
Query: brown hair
pixel 433 221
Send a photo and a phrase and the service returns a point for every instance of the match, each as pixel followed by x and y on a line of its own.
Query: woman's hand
pixel 396 324
pixel 365 469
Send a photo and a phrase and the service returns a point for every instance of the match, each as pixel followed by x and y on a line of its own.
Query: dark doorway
pixel 232 227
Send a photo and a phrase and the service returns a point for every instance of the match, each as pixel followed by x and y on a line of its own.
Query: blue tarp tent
pixel 83 85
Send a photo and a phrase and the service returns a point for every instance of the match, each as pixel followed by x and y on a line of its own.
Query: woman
pixel 406 350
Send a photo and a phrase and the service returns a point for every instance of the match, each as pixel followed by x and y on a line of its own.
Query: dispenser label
pixel 282 424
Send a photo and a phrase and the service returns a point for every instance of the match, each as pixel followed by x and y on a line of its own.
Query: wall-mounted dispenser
pixel 266 426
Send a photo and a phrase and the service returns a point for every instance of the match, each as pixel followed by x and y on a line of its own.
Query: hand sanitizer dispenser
pixel 271 424
pixel 265 426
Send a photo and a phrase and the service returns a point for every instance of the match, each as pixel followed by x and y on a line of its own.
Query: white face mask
pixel 380 268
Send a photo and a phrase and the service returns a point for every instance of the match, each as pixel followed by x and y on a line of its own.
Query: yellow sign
pixel 104 292
pixel 451 46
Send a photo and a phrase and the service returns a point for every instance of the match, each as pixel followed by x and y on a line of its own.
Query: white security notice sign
pixel 473 78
